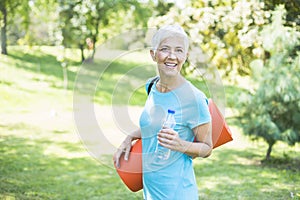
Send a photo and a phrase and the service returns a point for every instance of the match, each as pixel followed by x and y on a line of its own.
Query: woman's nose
pixel 172 55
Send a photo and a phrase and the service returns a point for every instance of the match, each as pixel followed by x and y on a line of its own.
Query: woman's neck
pixel 167 83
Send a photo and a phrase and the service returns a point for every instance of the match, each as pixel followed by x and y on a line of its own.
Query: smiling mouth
pixel 171 65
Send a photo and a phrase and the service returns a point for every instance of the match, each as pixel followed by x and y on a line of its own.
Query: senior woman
pixel 174 177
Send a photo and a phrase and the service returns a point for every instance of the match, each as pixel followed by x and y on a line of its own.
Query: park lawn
pixel 42 157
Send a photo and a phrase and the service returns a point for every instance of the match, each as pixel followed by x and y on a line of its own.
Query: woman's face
pixel 170 55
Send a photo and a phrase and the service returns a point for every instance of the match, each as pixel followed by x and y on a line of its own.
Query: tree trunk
pixel 82 52
pixel 3 32
pixel 94 48
pixel 268 155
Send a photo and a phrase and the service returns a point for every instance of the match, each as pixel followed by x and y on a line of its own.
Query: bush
pixel 272 109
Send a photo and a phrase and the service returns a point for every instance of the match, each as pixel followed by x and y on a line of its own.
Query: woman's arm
pixel 125 147
pixel 202 148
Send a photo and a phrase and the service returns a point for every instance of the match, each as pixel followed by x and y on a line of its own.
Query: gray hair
pixel 169 31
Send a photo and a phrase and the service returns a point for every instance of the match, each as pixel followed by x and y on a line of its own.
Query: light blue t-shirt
pixel 174 178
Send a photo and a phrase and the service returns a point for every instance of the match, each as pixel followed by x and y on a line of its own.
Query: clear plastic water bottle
pixel 162 152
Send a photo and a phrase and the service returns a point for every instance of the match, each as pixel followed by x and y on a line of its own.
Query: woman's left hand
pixel 170 139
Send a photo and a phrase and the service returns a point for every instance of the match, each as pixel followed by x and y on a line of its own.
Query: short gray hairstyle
pixel 169 31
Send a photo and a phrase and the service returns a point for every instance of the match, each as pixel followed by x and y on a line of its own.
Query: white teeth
pixel 171 64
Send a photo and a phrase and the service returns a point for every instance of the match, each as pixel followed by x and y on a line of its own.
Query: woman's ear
pixel 152 53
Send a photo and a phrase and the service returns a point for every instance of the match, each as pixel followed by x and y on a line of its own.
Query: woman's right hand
pixel 125 148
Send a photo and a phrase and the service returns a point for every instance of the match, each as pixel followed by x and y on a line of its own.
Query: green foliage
pixel 222 33
pixel 8 11
pixel 82 20
pixel 12 8
pixel 292 7
pixel 43 25
pixel 163 7
pixel 272 110
pixel 28 22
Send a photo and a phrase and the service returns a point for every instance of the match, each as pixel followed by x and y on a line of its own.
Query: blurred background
pixel 245 54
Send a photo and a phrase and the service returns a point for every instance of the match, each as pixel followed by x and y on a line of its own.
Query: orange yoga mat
pixel 221 133
pixel 131 171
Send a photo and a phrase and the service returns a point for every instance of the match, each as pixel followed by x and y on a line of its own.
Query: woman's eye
pixel 179 50
pixel 164 49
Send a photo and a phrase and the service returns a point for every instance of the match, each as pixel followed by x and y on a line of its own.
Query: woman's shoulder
pixel 150 82
pixel 196 90
pixel 198 94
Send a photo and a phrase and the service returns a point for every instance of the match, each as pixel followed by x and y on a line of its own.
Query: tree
pixel 292 7
pixel 7 11
pixel 272 109
pixel 43 23
pixel 81 21
pixel 224 32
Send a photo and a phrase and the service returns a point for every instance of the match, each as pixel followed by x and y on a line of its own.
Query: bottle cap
pixel 171 111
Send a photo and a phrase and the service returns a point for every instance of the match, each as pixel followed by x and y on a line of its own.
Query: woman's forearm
pixel 196 149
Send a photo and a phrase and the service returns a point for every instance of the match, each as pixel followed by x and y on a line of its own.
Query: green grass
pixel 42 156
pixel 240 174
pixel 41 168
